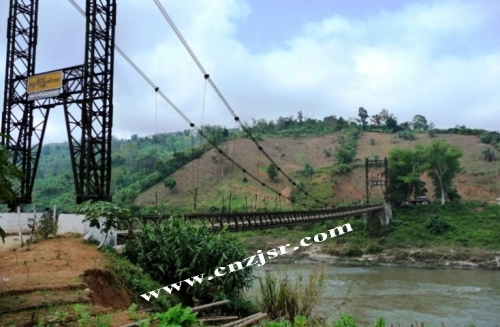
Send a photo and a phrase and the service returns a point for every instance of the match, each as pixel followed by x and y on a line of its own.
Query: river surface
pixel 405 295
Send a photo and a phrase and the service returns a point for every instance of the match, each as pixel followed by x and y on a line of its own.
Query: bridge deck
pixel 259 220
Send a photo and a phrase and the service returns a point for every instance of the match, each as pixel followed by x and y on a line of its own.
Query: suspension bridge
pixel 86 94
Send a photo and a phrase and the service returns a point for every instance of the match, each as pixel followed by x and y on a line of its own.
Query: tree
pixel 405 126
pixel 384 114
pixel 363 116
pixel 431 130
pixel 489 154
pixel 391 123
pixel 170 183
pixel 272 172
pixel 9 174
pixel 419 122
pixel 300 117
pixel 404 171
pixel 112 214
pixel 443 165
pixel 376 119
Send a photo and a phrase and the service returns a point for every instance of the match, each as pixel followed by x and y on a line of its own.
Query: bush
pixel 281 297
pixel 46 227
pixel 178 249
pixel 136 280
pixel 437 225
pixel 343 168
pixel 345 321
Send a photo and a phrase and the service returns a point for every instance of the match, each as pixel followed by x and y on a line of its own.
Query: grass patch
pixel 467 225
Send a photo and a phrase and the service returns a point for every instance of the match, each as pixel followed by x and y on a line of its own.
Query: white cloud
pixel 436 58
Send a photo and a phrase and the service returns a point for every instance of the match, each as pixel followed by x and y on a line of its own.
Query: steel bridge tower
pixel 85 93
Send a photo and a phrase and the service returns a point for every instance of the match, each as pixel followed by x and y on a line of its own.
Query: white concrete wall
pixel 67 223
pixel 10 221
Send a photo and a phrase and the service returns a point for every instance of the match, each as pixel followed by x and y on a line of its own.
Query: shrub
pixel 437 225
pixel 281 297
pixel 176 317
pixel 344 168
pixel 178 249
pixel 136 280
pixel 345 321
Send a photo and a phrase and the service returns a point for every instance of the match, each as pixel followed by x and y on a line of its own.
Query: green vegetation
pixel 457 226
pixel 141 162
pixel 176 317
pixel 178 249
pixel 9 175
pixel 272 171
pixel 439 160
pixel 136 279
pixel 282 296
pixel 114 216
pixel 170 183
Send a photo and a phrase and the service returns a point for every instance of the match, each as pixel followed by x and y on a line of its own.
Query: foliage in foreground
pixel 280 297
pixel 136 279
pixel 177 249
pixel 9 174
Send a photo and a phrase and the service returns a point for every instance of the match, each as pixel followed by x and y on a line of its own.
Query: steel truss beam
pixel 18 114
pixel 376 163
pixel 87 99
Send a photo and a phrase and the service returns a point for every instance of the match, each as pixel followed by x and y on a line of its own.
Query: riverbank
pixel 431 258
pixel 463 236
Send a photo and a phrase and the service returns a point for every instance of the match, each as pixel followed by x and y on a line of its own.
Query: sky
pixel 272 58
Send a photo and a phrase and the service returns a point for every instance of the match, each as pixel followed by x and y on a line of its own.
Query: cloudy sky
pixel 273 58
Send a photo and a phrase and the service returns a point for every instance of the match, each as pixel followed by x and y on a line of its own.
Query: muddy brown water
pixel 405 295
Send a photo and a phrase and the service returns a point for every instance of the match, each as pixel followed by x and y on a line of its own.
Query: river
pixel 406 295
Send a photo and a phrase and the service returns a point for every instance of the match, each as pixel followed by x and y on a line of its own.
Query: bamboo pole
pixel 218 318
pixel 210 305
pixel 234 323
pixel 252 320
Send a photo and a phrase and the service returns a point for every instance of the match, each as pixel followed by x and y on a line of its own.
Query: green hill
pixel 326 157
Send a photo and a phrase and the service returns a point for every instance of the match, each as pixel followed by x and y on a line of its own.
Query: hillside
pixel 325 157
pixel 477 180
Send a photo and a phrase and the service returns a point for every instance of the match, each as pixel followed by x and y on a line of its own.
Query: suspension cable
pixel 232 170
pixel 247 131
pixel 191 124
pixel 156 146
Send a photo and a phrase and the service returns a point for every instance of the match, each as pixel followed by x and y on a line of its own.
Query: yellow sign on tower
pixel 45 82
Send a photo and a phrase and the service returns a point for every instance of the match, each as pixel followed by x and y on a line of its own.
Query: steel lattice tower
pixel 86 93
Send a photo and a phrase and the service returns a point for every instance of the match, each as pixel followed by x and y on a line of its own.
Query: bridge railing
pixel 259 220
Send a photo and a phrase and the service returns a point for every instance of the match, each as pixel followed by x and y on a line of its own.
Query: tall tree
pixel 363 116
pixel 300 117
pixel 384 113
pixel 405 168
pixel 376 120
pixel 392 123
pixel 419 122
pixel 443 165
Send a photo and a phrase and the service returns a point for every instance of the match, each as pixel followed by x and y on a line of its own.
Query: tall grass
pixel 283 296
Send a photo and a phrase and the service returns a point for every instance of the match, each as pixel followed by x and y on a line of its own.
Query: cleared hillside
pixel 216 178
